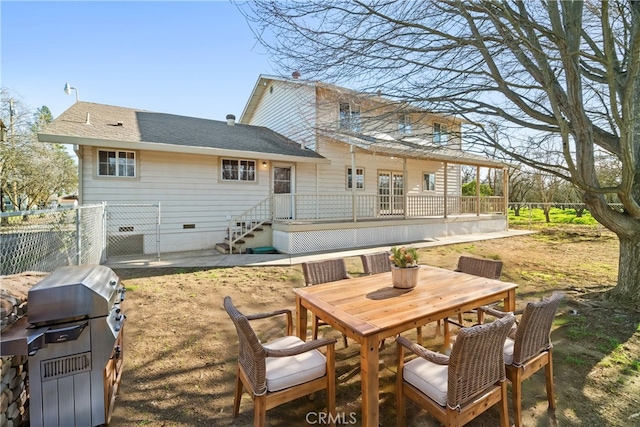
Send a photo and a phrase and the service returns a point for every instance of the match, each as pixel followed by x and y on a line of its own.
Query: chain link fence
pixel 47 239
pixel 133 229
pixel 44 240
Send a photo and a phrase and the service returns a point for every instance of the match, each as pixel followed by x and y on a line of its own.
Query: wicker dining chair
pixel 489 268
pixel 281 370
pixel 377 263
pixel 324 271
pixel 528 348
pixel 459 387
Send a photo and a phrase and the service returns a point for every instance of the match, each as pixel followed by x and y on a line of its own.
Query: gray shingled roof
pixel 86 123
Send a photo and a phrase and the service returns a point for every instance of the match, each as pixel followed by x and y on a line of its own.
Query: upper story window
pixel 238 170
pixel 359 178
pixel 404 123
pixel 440 133
pixel 350 116
pixel 116 163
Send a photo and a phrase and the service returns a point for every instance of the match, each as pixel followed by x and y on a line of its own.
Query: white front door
pixel 283 189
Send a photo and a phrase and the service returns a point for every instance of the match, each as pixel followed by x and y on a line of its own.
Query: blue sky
pixel 196 59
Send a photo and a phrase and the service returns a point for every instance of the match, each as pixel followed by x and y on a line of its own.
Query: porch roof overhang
pixel 171 148
pixel 411 147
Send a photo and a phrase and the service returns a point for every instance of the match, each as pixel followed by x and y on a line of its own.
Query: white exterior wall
pixel 288 109
pixel 189 190
pixel 332 177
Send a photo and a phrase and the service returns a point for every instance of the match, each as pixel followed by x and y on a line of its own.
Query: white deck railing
pixel 320 207
pixel 359 207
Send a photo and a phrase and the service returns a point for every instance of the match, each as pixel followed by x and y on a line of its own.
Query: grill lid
pixel 73 292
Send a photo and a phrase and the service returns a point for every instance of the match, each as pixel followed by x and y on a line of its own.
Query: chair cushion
pixel 284 372
pixel 428 377
pixel 508 351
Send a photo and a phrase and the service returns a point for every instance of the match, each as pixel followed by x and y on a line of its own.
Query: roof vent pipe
pixel 88 122
pixel 295 74
pixel 231 119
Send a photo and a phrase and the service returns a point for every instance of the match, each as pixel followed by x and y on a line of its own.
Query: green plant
pixel 404 257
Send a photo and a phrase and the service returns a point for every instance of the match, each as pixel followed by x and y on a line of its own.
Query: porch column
pixel 353 183
pixel 478 190
pixel 446 187
pixel 405 174
pixel 505 192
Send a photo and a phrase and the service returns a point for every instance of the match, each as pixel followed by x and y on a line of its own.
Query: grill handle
pixel 69 333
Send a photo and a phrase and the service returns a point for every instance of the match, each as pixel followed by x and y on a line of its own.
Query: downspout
pixel 446 188
pixel 353 182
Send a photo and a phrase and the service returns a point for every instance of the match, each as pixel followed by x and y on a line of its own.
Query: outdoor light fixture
pixel 68 88
pixel 264 164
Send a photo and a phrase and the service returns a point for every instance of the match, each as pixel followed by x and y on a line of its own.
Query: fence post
pixel 103 252
pixel 78 237
pixel 158 231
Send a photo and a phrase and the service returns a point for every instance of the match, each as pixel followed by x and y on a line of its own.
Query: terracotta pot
pixel 404 278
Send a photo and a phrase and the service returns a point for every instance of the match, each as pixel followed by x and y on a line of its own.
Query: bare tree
pixel 30 171
pixel 566 72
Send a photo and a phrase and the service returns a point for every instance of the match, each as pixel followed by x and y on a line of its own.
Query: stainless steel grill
pixel 74 340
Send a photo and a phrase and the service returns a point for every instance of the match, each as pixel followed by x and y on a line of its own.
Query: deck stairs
pixel 248 229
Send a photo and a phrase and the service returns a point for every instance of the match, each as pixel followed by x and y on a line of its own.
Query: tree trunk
pixel 546 210
pixel 628 287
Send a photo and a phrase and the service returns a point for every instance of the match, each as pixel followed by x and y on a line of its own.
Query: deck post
pixel 446 188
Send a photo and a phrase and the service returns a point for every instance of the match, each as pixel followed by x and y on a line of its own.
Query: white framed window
pixel 359 178
pixel 428 182
pixel 117 163
pixel 238 170
pixel 440 133
pixel 350 116
pixel 404 123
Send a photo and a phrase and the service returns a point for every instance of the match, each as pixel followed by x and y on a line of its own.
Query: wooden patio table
pixel 369 309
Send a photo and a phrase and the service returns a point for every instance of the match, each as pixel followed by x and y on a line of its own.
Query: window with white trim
pixel 350 116
pixel 359 178
pixel 428 182
pixel 116 163
pixel 440 133
pixel 238 170
pixel 404 123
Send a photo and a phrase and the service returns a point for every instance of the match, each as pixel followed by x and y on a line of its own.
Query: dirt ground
pixel 181 347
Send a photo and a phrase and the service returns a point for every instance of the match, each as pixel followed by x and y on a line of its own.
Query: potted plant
pixel 404 267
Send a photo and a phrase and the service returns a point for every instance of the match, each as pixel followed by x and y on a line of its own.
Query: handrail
pixel 249 220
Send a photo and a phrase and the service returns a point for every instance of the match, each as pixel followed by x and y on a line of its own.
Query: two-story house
pixel 308 167
pixel 393 175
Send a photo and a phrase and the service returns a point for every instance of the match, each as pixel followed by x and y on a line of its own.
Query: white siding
pixel 288 109
pixel 332 177
pixel 190 192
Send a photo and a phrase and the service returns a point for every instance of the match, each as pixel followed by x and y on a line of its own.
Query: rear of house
pixel 201 172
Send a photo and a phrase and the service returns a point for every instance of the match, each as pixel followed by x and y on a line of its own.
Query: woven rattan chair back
pixel 252 354
pixel 534 329
pixel 328 270
pixel 489 268
pixel 477 360
pixel 376 263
